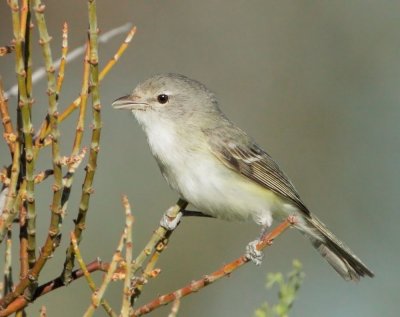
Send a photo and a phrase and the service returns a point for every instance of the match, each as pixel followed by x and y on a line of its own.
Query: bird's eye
pixel 163 98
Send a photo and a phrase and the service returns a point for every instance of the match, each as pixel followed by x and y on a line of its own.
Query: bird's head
pixel 169 96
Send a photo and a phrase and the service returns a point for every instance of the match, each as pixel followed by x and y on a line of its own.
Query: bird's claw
pixel 170 223
pixel 254 255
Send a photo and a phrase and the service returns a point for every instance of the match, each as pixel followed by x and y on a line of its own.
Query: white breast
pixel 199 177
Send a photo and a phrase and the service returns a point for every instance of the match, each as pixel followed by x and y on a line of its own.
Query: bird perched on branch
pixel 220 170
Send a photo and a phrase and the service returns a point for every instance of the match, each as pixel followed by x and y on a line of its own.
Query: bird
pixel 221 170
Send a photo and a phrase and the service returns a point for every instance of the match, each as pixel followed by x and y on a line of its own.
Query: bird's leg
pixel 264 231
pixel 192 213
pixel 171 219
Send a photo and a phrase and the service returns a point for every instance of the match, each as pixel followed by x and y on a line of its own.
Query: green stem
pixel 27 161
pixel 87 189
pixel 159 238
pixel 22 57
pixel 56 215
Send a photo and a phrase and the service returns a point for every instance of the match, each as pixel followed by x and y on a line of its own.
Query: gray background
pixel 316 83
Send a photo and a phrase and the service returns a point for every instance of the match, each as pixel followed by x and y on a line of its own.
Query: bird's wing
pixel 238 152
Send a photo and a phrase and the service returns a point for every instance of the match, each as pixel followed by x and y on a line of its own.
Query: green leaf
pixel 288 287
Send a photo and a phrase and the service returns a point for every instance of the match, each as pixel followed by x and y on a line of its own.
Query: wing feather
pixel 241 154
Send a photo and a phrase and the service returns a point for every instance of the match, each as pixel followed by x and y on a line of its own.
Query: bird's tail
pixel 334 251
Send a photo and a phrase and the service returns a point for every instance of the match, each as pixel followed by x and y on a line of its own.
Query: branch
pixel 126 295
pixel 88 277
pixel 98 296
pixel 175 308
pixel 8 281
pixel 9 211
pixel 64 51
pixel 226 270
pixel 52 240
pixel 44 131
pixel 29 282
pixel 24 103
pixel 159 234
pixel 9 135
pixel 23 244
pixel 154 247
pixel 41 72
pixel 87 189
pixel 83 104
pixel 50 286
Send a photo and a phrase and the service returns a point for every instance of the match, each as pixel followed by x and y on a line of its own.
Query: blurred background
pixel 316 83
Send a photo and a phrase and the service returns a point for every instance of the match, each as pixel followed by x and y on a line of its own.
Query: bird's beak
pixel 129 102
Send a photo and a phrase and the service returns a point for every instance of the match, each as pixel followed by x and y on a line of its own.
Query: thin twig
pixel 43 175
pixel 43 311
pixel 75 104
pixel 88 277
pixel 41 72
pixel 98 296
pixel 24 18
pixel 3 192
pixel 52 240
pixel 23 64
pixel 9 135
pixel 87 189
pixel 159 234
pixel 9 212
pixel 45 126
pixel 56 215
pixel 117 258
pixel 52 285
pixel 23 244
pixel 226 270
pixel 73 163
pixel 82 109
pixel 64 51
pixel 126 307
pixel 30 281
pixel 8 280
pixel 154 247
pixel 27 128
pixel 118 54
pixel 26 34
pixel 175 308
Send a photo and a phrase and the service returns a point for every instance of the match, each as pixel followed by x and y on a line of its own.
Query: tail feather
pixel 334 251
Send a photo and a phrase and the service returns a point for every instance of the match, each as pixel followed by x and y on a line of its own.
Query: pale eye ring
pixel 163 98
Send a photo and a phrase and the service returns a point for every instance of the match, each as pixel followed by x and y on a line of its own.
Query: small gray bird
pixel 219 169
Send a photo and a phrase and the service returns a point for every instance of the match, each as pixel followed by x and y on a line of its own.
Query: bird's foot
pixel 170 222
pixel 253 254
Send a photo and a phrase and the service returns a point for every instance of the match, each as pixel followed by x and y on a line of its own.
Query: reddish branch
pixel 211 278
pixel 50 286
